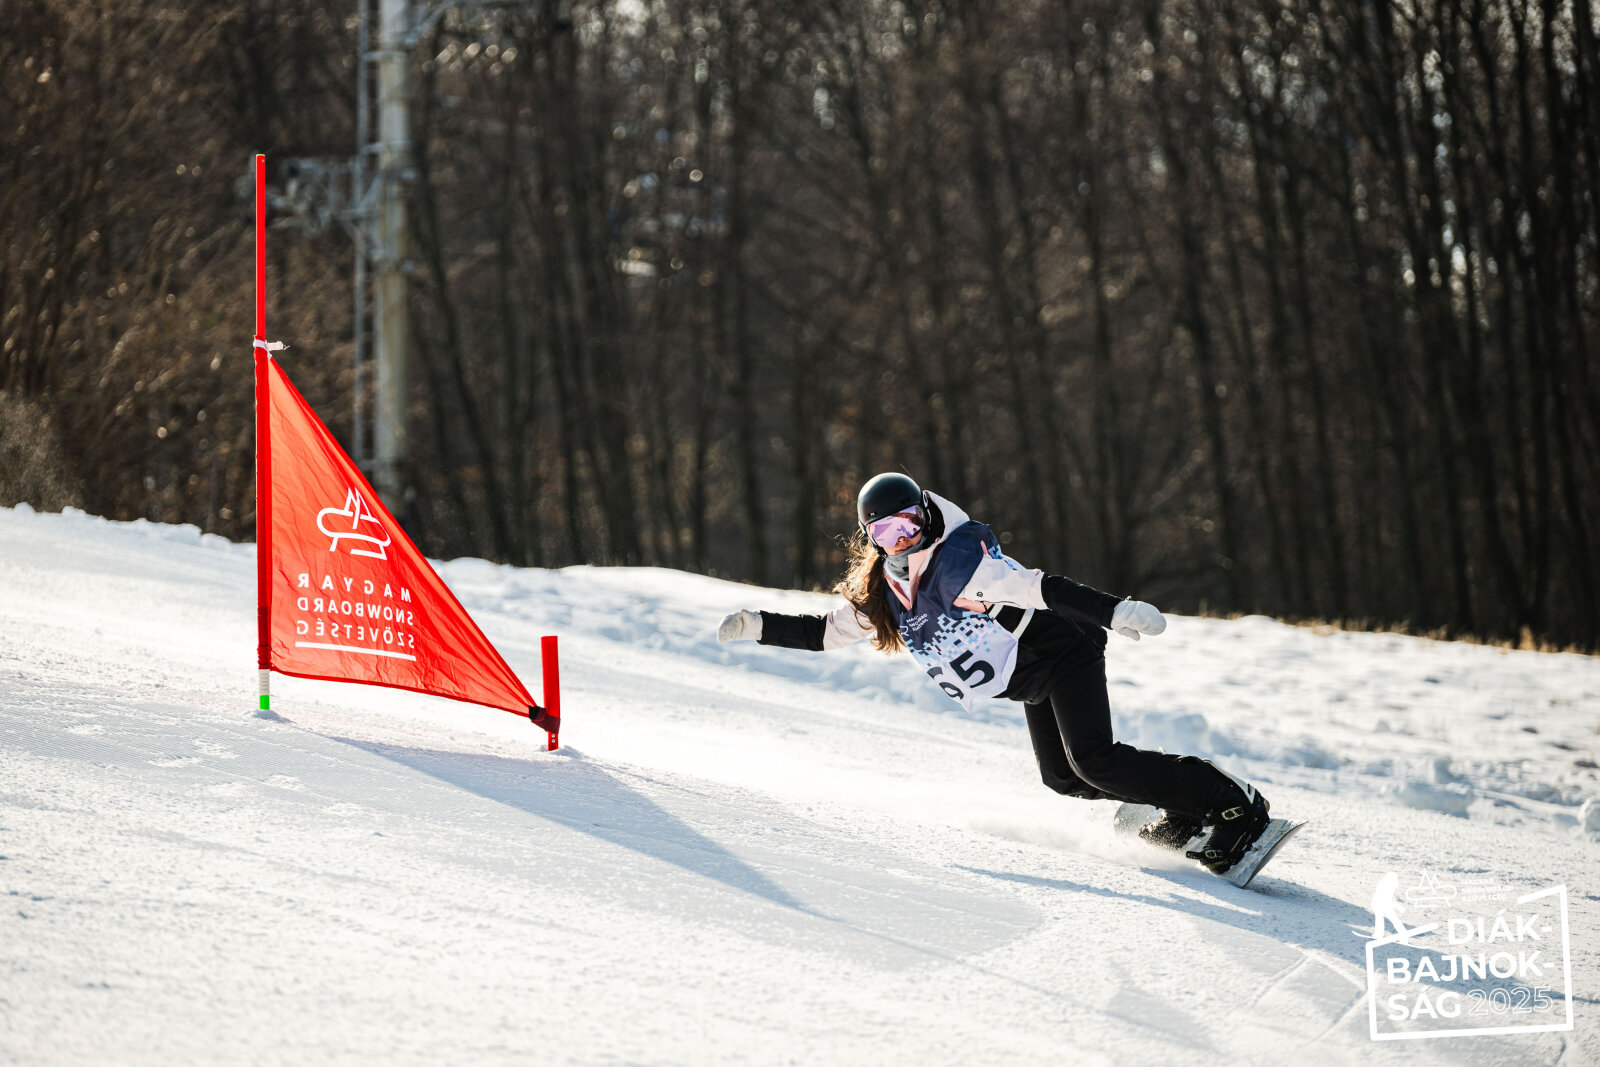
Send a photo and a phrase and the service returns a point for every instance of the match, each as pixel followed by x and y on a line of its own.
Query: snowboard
pixel 1130 818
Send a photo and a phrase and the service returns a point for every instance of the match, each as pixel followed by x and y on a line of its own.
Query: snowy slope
pixel 740 854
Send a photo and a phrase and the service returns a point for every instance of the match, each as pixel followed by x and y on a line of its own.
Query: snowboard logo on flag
pixel 355 512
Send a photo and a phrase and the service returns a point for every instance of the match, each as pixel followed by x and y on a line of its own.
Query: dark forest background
pixel 1236 305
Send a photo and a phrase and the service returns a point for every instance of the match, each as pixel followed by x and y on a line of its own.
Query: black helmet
pixel 887 494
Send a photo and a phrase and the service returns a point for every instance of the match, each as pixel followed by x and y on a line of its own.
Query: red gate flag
pixel 343 594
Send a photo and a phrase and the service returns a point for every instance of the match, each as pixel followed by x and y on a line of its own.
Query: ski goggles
pixel 888 531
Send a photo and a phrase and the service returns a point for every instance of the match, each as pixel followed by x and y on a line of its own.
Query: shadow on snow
pixel 585 797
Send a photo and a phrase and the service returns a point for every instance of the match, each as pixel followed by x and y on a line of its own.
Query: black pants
pixel 1077 758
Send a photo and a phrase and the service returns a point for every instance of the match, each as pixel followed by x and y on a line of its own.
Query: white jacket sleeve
pixel 1005 581
pixel 844 626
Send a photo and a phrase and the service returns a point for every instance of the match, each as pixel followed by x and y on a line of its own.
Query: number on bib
pixel 961 667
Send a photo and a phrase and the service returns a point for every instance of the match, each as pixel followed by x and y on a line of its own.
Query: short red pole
pixel 552 688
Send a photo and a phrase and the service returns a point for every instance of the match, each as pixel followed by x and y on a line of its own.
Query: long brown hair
pixel 865 587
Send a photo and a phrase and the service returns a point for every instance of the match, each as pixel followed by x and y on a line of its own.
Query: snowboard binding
pixel 1240 855
pixel 1234 831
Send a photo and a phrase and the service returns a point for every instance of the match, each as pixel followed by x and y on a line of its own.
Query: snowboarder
pixel 926 578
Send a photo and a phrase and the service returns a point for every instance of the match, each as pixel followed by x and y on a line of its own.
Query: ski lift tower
pixel 366 195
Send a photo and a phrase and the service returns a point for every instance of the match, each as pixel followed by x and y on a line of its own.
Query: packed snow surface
pixel 740 854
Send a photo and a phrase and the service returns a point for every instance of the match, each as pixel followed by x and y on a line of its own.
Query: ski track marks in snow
pixel 741 854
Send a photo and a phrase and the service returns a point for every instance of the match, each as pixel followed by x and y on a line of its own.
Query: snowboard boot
pixel 1237 815
pixel 1172 831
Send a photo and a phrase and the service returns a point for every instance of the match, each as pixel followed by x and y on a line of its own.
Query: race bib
pixel 966 653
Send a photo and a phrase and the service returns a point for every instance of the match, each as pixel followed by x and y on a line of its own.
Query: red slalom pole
pixel 263 455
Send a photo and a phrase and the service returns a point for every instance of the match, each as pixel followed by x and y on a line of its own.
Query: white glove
pixel 740 626
pixel 1134 617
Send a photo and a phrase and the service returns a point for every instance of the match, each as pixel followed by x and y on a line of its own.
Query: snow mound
pixel 1453 799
